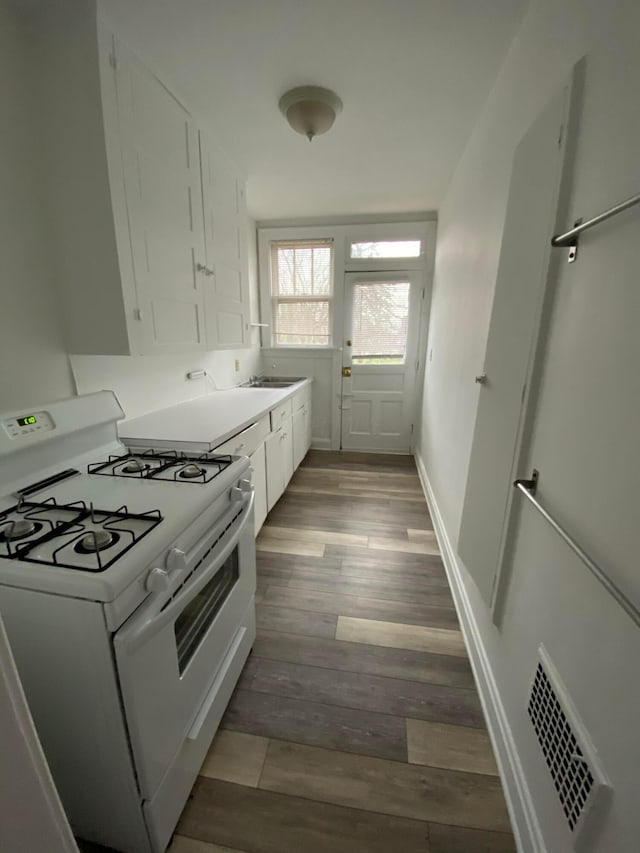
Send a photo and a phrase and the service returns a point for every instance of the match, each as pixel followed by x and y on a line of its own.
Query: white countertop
pixel 202 424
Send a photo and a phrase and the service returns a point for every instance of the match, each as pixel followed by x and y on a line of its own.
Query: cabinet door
pixel 299 437
pixel 274 465
pixel 226 284
pixel 164 204
pixel 287 451
pixel 259 479
pixel 307 426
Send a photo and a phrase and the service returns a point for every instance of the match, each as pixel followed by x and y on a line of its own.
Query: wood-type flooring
pixel 356 726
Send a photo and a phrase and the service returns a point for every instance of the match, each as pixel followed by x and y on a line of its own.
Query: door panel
pixel 162 185
pixel 382 315
pixel 226 286
pixel 513 331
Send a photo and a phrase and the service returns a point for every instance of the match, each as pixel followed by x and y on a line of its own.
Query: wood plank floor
pixel 355 726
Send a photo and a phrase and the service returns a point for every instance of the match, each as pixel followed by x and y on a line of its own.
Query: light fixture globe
pixel 310 110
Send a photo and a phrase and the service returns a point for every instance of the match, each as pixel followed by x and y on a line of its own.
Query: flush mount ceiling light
pixel 310 110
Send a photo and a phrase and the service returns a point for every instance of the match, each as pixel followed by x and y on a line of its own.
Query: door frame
pixel 417 295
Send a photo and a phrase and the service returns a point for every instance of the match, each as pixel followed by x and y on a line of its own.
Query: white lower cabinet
pixel 286 449
pixel 287 443
pixel 275 468
pixel 299 436
pixel 259 479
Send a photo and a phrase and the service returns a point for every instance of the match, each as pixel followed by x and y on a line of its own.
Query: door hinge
pixel 411 429
pixel 417 364
pixel 423 291
pixel 113 62
pixel 137 314
pixel 560 135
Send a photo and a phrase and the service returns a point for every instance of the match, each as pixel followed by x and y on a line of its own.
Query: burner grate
pixel 168 465
pixel 70 524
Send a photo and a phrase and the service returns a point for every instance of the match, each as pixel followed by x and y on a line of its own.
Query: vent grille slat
pixel 569 769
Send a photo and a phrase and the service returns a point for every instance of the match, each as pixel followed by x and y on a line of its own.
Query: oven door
pixel 172 651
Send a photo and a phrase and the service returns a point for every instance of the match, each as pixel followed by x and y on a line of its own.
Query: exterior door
pixel 511 344
pixel 381 325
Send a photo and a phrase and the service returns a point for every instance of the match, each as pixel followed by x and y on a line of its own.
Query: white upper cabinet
pixel 226 285
pixel 151 249
pixel 159 148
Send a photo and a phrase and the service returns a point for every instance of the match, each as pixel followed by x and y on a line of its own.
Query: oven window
pixel 194 621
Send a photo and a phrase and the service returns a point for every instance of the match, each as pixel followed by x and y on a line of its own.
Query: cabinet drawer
pixel 245 442
pixel 280 414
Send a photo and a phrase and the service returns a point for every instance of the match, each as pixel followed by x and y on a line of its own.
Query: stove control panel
pixel 31 423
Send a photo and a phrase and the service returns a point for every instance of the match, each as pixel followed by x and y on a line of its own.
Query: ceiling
pixel 413 76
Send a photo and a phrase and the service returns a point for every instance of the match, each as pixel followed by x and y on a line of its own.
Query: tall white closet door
pixel 225 223
pixel 513 330
pixel 164 203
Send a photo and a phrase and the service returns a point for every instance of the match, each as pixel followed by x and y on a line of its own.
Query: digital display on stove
pixel 27 420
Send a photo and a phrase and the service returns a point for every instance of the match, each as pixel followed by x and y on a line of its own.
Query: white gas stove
pixel 127 585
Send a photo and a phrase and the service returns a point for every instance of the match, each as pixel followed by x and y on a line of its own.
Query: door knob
pixel 482 379
pixel 346 371
pixel 348 343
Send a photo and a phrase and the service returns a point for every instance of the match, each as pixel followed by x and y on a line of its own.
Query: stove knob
pixel 245 485
pixel 157 580
pixel 176 560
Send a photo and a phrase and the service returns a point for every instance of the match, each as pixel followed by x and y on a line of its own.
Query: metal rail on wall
pixel 570 238
pixel 528 489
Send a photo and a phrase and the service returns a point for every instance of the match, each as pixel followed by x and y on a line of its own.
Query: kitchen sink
pixel 273 382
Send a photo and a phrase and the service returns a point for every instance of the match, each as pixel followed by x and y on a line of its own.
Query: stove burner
pixel 19 530
pixel 135 467
pixel 97 541
pixel 190 472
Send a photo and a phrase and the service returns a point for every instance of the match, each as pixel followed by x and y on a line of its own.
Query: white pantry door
pixel 381 326
pixel 513 332
pixel 164 204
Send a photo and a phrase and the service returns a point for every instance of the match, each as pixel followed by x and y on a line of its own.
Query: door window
pixel 385 249
pixel 380 322
pixel 194 621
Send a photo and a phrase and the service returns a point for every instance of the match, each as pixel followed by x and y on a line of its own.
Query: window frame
pixel 276 299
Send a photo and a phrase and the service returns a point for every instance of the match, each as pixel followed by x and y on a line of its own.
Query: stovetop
pixel 68 553
pixel 81 515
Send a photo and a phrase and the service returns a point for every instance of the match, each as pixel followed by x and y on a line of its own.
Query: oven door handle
pixel 154 618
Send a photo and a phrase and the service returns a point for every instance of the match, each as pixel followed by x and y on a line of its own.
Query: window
pixel 380 322
pixel 301 292
pixel 386 249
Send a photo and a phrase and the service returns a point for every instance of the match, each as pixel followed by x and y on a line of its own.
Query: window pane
pixel 322 271
pixel 302 323
pixel 380 322
pixel 387 249
pixel 302 275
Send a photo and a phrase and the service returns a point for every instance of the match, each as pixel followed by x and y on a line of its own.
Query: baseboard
pixel 320 444
pixel 526 828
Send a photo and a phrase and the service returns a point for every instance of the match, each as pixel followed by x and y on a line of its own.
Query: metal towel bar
pixel 528 489
pixel 570 238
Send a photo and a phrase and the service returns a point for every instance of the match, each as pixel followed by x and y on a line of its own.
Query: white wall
pixel 585 437
pixel 33 361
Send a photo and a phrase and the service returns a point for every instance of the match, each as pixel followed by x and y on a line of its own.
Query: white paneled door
pixel 513 332
pixel 381 328
pixel 164 204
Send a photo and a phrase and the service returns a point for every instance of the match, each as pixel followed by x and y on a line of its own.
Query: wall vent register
pixel 568 754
